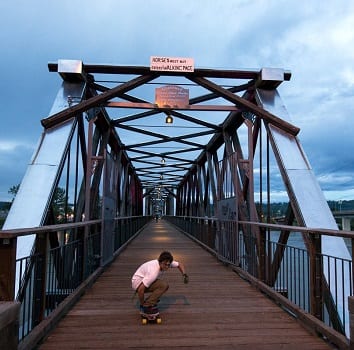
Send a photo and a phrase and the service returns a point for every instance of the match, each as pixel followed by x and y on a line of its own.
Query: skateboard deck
pixel 150 317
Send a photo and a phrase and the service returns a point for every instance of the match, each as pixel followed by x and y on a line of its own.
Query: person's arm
pixel 141 291
pixel 182 269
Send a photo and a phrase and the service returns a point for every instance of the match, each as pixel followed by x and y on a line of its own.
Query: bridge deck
pixel 216 310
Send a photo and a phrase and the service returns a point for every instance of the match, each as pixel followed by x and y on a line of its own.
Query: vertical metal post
pixel 7 268
pixel 351 306
pixel 263 271
pixel 351 321
pixel 40 279
pixel 271 274
pixel 250 191
pixel 236 186
pixel 352 276
pixel 316 276
pixel 9 325
pixel 87 194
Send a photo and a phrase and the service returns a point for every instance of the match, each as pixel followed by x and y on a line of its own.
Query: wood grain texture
pixel 216 310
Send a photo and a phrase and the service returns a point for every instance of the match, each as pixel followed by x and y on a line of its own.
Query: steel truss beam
pixel 202 168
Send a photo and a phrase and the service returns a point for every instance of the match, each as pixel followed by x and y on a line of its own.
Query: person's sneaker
pixel 150 309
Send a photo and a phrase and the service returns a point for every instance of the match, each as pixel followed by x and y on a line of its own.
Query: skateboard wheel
pixel 158 320
pixel 144 321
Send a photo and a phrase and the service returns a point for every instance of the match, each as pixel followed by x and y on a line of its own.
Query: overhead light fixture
pixel 169 119
pixel 162 160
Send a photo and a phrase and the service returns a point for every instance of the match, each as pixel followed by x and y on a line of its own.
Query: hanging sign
pixel 171 96
pixel 171 64
pixel 227 209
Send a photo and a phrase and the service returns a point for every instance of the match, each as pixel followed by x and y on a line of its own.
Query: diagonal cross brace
pixel 239 101
pixel 95 101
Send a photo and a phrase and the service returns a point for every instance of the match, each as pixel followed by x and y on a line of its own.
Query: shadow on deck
pixel 216 310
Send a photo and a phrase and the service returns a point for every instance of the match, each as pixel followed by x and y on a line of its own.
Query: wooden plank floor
pixel 216 310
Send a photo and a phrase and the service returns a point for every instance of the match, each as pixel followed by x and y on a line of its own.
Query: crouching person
pixel 147 279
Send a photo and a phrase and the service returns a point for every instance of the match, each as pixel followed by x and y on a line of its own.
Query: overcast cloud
pixel 312 39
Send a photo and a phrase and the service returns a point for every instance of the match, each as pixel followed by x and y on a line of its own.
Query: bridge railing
pixel 312 286
pixel 45 279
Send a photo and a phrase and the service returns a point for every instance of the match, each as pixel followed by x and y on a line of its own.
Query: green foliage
pixel 13 190
pixel 61 209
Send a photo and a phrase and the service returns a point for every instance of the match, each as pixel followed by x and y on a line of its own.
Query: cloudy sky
pixel 312 39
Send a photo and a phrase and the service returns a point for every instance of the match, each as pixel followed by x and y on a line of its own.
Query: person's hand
pixel 185 278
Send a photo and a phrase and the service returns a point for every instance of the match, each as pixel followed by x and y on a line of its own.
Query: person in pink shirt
pixel 147 279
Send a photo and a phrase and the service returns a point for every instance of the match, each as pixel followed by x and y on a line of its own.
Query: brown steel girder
pixel 192 180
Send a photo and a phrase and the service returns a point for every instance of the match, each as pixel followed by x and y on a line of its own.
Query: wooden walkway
pixel 216 310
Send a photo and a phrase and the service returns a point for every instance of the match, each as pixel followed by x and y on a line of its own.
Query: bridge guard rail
pixel 288 273
pixel 52 279
pixel 9 313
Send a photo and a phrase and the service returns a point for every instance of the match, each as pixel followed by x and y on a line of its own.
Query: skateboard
pixel 153 316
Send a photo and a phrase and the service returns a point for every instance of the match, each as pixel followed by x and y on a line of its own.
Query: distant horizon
pixel 256 202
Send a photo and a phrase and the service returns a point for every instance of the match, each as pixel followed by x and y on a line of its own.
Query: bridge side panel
pixel 304 190
pixel 35 192
pixel 302 184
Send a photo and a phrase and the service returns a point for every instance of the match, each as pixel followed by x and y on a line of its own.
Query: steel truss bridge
pixel 107 162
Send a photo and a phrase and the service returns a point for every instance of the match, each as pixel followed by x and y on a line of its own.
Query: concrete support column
pixel 170 205
pixel 9 314
pixel 346 224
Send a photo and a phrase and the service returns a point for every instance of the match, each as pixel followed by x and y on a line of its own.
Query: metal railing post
pixel 316 277
pixel 7 268
pixel 9 316
pixel 351 321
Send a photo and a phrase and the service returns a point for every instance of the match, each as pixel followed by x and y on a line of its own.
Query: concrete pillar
pixel 346 224
pixel 9 314
pixel 170 205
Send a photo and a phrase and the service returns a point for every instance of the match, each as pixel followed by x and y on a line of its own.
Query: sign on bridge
pixel 171 96
pixel 172 64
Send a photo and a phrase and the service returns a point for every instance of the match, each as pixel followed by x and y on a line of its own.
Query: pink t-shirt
pixel 148 273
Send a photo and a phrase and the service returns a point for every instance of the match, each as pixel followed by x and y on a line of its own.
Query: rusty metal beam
pixel 195 121
pixel 141 70
pixel 168 139
pixel 163 138
pixel 7 268
pixel 172 112
pixel 247 105
pixel 146 105
pixel 213 95
pixel 95 101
